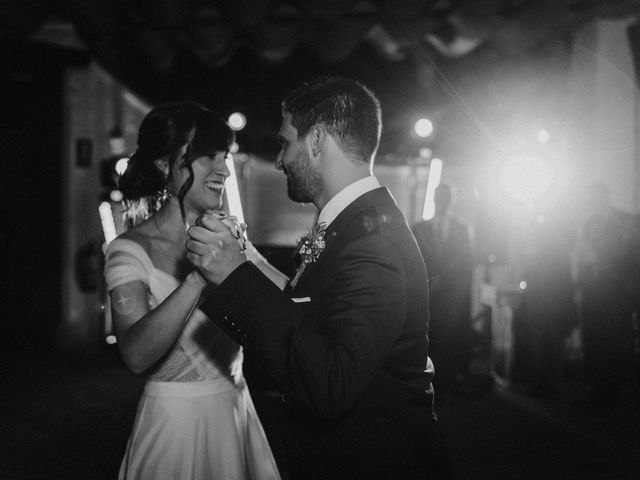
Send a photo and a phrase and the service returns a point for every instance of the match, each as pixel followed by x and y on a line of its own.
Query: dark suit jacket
pixel 351 362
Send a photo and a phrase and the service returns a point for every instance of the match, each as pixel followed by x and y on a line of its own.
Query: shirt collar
pixel 345 197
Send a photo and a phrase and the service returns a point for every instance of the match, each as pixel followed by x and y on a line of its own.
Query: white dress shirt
pixel 346 197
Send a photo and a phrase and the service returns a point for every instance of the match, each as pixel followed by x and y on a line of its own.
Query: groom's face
pixel 303 179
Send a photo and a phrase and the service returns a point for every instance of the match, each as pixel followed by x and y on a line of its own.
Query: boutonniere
pixel 310 247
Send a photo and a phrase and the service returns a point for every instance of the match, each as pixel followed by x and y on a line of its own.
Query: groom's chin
pixel 294 195
pixel 299 198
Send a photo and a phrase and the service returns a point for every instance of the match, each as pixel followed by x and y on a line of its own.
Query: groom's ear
pixel 317 137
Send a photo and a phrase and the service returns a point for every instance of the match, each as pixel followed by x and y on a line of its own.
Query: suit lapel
pixel 378 196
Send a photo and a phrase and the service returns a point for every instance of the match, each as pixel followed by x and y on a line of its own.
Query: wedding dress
pixel 195 418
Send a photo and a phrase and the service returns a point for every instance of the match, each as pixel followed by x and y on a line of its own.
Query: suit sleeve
pixel 327 362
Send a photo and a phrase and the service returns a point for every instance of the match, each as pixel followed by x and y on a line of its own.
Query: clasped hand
pixel 215 246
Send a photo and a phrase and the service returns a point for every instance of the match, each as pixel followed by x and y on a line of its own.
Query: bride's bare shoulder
pixel 139 234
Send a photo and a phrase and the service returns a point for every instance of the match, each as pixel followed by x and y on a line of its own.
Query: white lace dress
pixel 195 419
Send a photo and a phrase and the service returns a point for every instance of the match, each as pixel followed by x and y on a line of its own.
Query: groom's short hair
pixel 348 109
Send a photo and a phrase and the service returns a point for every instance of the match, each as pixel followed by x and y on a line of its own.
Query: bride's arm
pixel 145 335
pixel 271 272
pixel 251 252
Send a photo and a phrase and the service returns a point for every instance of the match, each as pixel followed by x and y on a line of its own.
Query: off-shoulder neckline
pixel 147 258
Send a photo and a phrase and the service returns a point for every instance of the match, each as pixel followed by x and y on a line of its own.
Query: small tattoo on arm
pixel 124 301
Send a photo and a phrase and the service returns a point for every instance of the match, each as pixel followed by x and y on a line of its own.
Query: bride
pixel 195 419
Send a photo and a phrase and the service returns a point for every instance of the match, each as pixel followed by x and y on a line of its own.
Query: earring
pixel 161 198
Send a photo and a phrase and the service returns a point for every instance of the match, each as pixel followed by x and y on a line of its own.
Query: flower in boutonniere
pixel 310 247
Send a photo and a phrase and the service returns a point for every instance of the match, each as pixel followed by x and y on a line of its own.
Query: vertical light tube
pixel 109 231
pixel 232 190
pixel 435 174
pixel 108 224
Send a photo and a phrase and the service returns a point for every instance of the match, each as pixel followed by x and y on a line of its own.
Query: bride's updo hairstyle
pixel 164 132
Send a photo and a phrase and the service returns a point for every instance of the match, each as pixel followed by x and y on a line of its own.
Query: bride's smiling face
pixel 209 174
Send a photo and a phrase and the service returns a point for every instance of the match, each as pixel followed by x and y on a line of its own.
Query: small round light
pixel 425 153
pixel 237 121
pixel 543 136
pixel 492 258
pixel 116 145
pixel 115 195
pixel 234 148
pixel 523 285
pixel 111 339
pixel 423 127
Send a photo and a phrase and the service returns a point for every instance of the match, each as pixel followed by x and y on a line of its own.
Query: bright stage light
pixel 423 127
pixel 435 174
pixel 525 177
pixel 237 121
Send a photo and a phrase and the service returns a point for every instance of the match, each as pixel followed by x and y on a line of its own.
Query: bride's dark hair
pixel 165 131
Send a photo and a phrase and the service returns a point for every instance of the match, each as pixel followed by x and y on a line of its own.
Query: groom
pixel 347 343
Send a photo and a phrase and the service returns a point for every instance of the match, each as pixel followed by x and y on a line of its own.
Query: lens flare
pixel 525 177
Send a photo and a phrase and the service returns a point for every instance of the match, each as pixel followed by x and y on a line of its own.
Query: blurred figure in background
pixel 606 271
pixel 445 243
pixel 549 304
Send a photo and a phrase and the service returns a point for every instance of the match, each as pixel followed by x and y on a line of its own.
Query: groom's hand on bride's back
pixel 213 248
